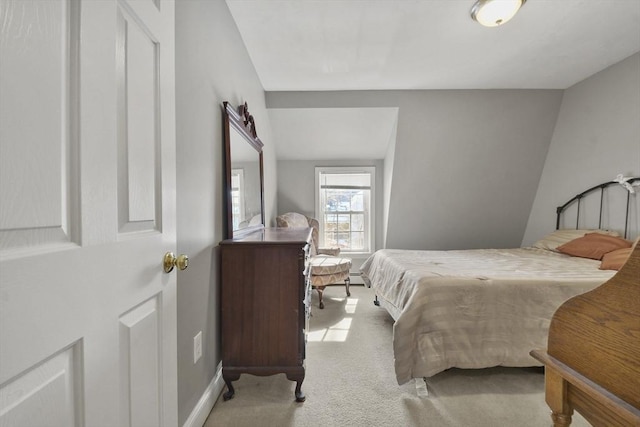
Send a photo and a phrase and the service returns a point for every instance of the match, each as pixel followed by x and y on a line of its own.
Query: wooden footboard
pixel 592 364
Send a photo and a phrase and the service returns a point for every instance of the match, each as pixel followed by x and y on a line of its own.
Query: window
pixel 237 197
pixel 344 207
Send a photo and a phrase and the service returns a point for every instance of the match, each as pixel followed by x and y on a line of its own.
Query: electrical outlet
pixel 197 347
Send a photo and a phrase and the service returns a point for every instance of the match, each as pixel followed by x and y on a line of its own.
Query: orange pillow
pixel 593 245
pixel 614 260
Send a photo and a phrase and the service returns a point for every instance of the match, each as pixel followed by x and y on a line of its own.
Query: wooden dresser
pixel 265 300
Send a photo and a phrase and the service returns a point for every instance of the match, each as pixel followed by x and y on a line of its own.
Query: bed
pixel 484 307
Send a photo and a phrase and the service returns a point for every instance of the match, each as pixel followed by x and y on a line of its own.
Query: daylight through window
pixel 237 197
pixel 344 208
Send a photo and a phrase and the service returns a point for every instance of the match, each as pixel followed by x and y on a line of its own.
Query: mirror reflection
pixel 246 203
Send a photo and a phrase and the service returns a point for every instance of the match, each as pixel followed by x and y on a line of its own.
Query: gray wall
pixel 296 190
pixel 388 181
pixel 596 138
pixel 467 162
pixel 212 66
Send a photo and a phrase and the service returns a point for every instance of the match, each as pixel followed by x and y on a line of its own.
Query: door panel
pixel 35 108
pixel 140 358
pixel 137 64
pixel 53 385
pixel 87 211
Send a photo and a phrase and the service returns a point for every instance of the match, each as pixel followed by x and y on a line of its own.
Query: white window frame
pixel 369 222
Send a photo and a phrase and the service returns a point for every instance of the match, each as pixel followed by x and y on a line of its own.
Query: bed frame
pixel 560 210
pixel 592 363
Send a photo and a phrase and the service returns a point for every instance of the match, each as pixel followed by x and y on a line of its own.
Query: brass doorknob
pixel 170 261
pixel 182 262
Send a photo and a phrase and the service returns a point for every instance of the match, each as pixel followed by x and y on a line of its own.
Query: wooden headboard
pixel 602 189
pixel 592 363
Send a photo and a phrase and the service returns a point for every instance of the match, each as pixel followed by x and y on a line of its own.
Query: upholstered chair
pixel 327 267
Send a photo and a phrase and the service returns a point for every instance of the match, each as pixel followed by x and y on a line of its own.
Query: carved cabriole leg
pixel 556 397
pixel 347 282
pixel 298 377
pixel 300 397
pixel 230 392
pixel 228 378
pixel 320 290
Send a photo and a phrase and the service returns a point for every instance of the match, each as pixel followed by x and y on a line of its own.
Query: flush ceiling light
pixel 492 13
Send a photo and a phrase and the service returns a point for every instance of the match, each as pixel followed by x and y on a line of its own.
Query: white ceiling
pixel 432 44
pixel 304 45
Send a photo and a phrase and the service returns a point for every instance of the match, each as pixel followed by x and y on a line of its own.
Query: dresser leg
pixel 297 375
pixel 229 394
pixel 300 397
pixel 231 391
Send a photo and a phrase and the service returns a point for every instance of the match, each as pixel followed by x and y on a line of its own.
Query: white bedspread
pixel 473 308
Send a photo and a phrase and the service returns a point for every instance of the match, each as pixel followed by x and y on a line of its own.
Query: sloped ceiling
pixel 320 45
pixel 299 45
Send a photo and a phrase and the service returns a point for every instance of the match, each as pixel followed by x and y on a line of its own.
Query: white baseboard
pixel 205 404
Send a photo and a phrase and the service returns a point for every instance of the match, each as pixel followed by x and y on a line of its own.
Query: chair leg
pixel 320 290
pixel 347 282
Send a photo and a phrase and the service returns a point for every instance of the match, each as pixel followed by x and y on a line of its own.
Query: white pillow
pixel 559 237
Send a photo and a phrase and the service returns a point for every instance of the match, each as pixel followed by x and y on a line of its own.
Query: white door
pixel 87 211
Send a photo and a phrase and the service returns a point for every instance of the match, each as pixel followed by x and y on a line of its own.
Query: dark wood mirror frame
pixel 239 126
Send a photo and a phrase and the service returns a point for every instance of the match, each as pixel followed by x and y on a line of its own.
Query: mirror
pixel 243 172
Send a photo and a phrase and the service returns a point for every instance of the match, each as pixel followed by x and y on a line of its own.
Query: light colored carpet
pixel 350 382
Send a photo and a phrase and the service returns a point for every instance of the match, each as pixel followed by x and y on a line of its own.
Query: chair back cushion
pixel 292 220
pixel 297 220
